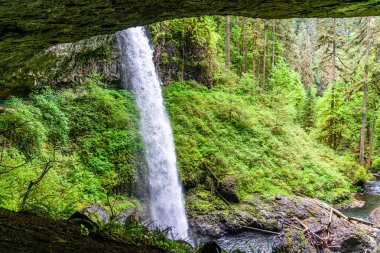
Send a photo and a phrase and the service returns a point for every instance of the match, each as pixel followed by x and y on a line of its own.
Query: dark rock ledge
pixel 27 232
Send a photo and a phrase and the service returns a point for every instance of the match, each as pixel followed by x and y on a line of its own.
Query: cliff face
pixel 66 65
pixel 27 27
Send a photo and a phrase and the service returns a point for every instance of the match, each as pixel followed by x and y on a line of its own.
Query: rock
pixel 227 188
pixel 274 214
pixel 81 219
pixel 357 243
pixel 28 27
pixel 354 203
pixel 97 213
pixel 292 241
pixel 209 247
pixel 209 225
pixel 374 216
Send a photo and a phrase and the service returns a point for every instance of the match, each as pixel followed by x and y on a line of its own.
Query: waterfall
pixel 167 205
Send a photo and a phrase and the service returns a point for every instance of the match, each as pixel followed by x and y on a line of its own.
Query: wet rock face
pixel 28 26
pixel 69 64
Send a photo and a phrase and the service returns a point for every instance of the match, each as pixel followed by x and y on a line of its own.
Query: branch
pixel 10 168
pixel 36 182
pixel 13 128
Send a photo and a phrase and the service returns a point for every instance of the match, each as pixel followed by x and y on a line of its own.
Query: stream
pixel 255 242
pixel 248 242
pixel 371 197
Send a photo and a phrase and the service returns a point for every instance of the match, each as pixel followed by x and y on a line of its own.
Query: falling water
pixel 167 206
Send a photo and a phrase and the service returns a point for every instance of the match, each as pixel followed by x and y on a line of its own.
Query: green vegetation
pixel 82 144
pixel 257 141
pixel 259 108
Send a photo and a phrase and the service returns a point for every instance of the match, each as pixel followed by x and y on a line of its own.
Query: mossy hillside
pixel 257 141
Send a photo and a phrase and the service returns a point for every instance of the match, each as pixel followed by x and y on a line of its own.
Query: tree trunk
pixel 228 42
pixel 264 56
pixel 372 131
pixel 365 91
pixel 253 64
pixel 334 53
pixel 245 46
pixel 333 137
pixel 238 37
pixel 258 53
pixel 274 46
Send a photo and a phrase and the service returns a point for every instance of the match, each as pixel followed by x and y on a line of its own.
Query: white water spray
pixel 167 206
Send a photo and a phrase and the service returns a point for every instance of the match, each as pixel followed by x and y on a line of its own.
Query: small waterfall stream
pixel 167 206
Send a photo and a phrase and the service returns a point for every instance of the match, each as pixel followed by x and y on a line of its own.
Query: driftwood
pixel 338 213
pixel 361 221
pixel 261 230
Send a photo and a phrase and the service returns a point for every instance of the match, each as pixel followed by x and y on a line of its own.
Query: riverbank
pixel 297 224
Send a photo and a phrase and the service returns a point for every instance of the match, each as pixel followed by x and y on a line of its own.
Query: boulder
pixel 209 247
pixel 374 216
pixel 292 241
pixel 228 189
pixel 279 215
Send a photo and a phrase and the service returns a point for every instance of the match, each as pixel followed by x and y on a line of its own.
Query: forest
pixel 275 126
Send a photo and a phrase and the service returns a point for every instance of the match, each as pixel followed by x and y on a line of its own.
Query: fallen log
pixel 261 230
pixel 337 212
pixel 362 221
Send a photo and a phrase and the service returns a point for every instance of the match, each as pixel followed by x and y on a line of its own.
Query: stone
pixel 292 241
pixel 81 219
pixel 275 213
pixel 228 189
pixel 374 216
pixel 210 247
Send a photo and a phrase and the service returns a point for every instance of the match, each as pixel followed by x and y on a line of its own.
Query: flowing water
pixel 371 197
pixel 167 206
pixel 248 242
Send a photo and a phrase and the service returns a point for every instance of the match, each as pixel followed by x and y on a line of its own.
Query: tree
pixel 274 45
pixel 328 42
pixel 305 51
pixel 373 118
pixel 228 42
pixel 264 56
pixel 365 91
pixel 245 45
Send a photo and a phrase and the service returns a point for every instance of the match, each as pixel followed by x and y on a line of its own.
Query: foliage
pixel 137 233
pixel 91 132
pixel 232 134
pixel 186 49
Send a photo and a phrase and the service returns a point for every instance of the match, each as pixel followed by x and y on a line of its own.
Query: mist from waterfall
pixel 167 205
